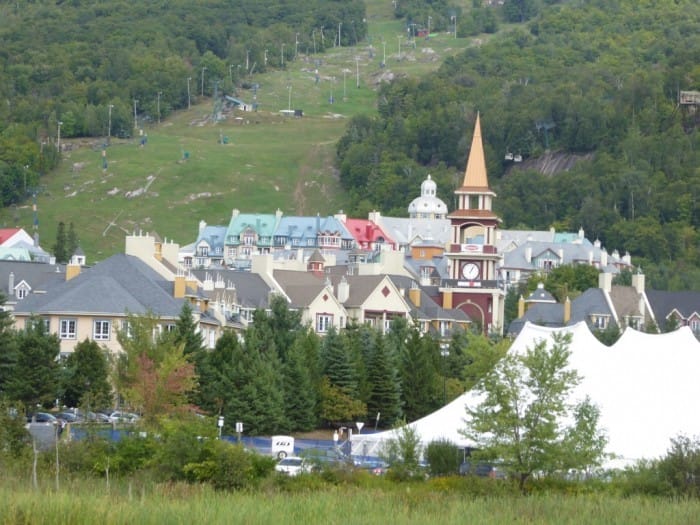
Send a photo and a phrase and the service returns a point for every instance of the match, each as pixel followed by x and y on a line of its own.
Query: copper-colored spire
pixel 475 174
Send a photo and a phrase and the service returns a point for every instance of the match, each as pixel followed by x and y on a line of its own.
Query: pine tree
pixel 86 376
pixel 336 364
pixel 300 396
pixel 60 249
pixel 36 375
pixel 71 241
pixel 385 393
pixel 420 377
pixel 8 348
pixel 186 332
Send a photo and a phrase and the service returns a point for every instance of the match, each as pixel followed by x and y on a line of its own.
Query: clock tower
pixel 472 284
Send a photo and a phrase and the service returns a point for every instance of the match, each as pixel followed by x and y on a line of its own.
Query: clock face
pixel 470 271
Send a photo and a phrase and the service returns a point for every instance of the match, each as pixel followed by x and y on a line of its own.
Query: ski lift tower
pixel 689 98
pixel 545 125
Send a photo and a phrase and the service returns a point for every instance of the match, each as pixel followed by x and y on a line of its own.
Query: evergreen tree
pixel 300 396
pixel 336 364
pixel 36 375
pixel 285 325
pixel 186 331
pixel 420 377
pixel 358 340
pixel 216 373
pixel 385 394
pixel 86 376
pixel 71 241
pixel 8 348
pixel 60 249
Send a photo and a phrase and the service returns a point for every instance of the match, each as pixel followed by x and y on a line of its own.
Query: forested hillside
pixel 69 62
pixel 598 77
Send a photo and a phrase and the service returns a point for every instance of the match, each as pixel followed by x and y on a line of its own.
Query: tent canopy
pixel 645 386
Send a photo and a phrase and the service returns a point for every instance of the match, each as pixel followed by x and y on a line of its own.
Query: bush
pixel 230 467
pixel 444 457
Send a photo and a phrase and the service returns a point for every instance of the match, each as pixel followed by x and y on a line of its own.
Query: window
pixel 22 292
pixel 101 330
pixel 323 322
pixel 694 325
pixel 126 329
pixel 169 327
pixel 68 329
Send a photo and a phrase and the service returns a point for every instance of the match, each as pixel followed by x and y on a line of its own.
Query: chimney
pixel 343 290
pixel 11 284
pixel 528 253
pixel 521 307
pixel 603 258
pixel 202 225
pixel 605 281
pixel 567 311
pixel 560 253
pixel 374 216
pixel 414 295
pixel 342 217
pixel 179 287
pixel 638 282
pixel 72 270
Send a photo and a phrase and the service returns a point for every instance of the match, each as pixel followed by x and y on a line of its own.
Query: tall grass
pixel 89 502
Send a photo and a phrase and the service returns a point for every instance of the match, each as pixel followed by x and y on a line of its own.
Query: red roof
pixel 6 233
pixel 366 232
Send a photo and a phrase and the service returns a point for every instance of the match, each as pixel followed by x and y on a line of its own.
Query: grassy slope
pixel 269 162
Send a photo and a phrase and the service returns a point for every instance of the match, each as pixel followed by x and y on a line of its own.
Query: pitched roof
pixel 116 286
pixel 251 289
pixel 475 174
pixel 6 233
pixel 663 303
pixel 39 276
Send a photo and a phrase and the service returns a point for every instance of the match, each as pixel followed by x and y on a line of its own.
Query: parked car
pixel 376 468
pixel 483 469
pixel 293 466
pixel 119 416
pixel 42 417
pixel 69 417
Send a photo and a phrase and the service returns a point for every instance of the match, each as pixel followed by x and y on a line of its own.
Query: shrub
pixel 230 467
pixel 444 457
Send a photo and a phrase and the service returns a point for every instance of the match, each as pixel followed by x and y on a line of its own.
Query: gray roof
pixel 39 276
pixel 251 289
pixel 663 303
pixel 116 286
pixel 591 302
pixel 564 253
pixel 429 309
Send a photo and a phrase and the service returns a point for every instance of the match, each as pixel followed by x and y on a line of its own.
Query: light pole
pixel 266 58
pixel 296 45
pixel 454 21
pixel 189 96
pixel 429 19
pixel 357 70
pixel 344 92
pixel 399 48
pixel 204 68
pixel 340 24
pixel 230 74
pixel 247 61
pixel 289 102
pixel 384 55
pixel 313 37
pixel 282 55
pixel 332 79
pixel 158 104
pixel 109 124
pixel 58 137
pixel 136 123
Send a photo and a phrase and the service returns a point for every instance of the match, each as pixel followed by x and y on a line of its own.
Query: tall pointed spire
pixel 475 174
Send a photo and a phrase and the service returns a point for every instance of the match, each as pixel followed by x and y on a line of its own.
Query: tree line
pixel 595 80
pixel 278 376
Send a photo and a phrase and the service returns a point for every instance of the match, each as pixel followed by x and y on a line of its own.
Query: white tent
pixel 645 386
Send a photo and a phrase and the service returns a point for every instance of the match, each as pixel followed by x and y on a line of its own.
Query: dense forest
pixel 96 65
pixel 599 80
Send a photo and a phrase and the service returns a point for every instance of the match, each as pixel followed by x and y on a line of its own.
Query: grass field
pixel 269 161
pixel 89 503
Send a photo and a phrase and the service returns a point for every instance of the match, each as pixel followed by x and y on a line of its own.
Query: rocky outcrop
pixel 551 163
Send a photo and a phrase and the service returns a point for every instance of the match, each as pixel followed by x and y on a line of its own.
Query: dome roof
pixel 427 205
